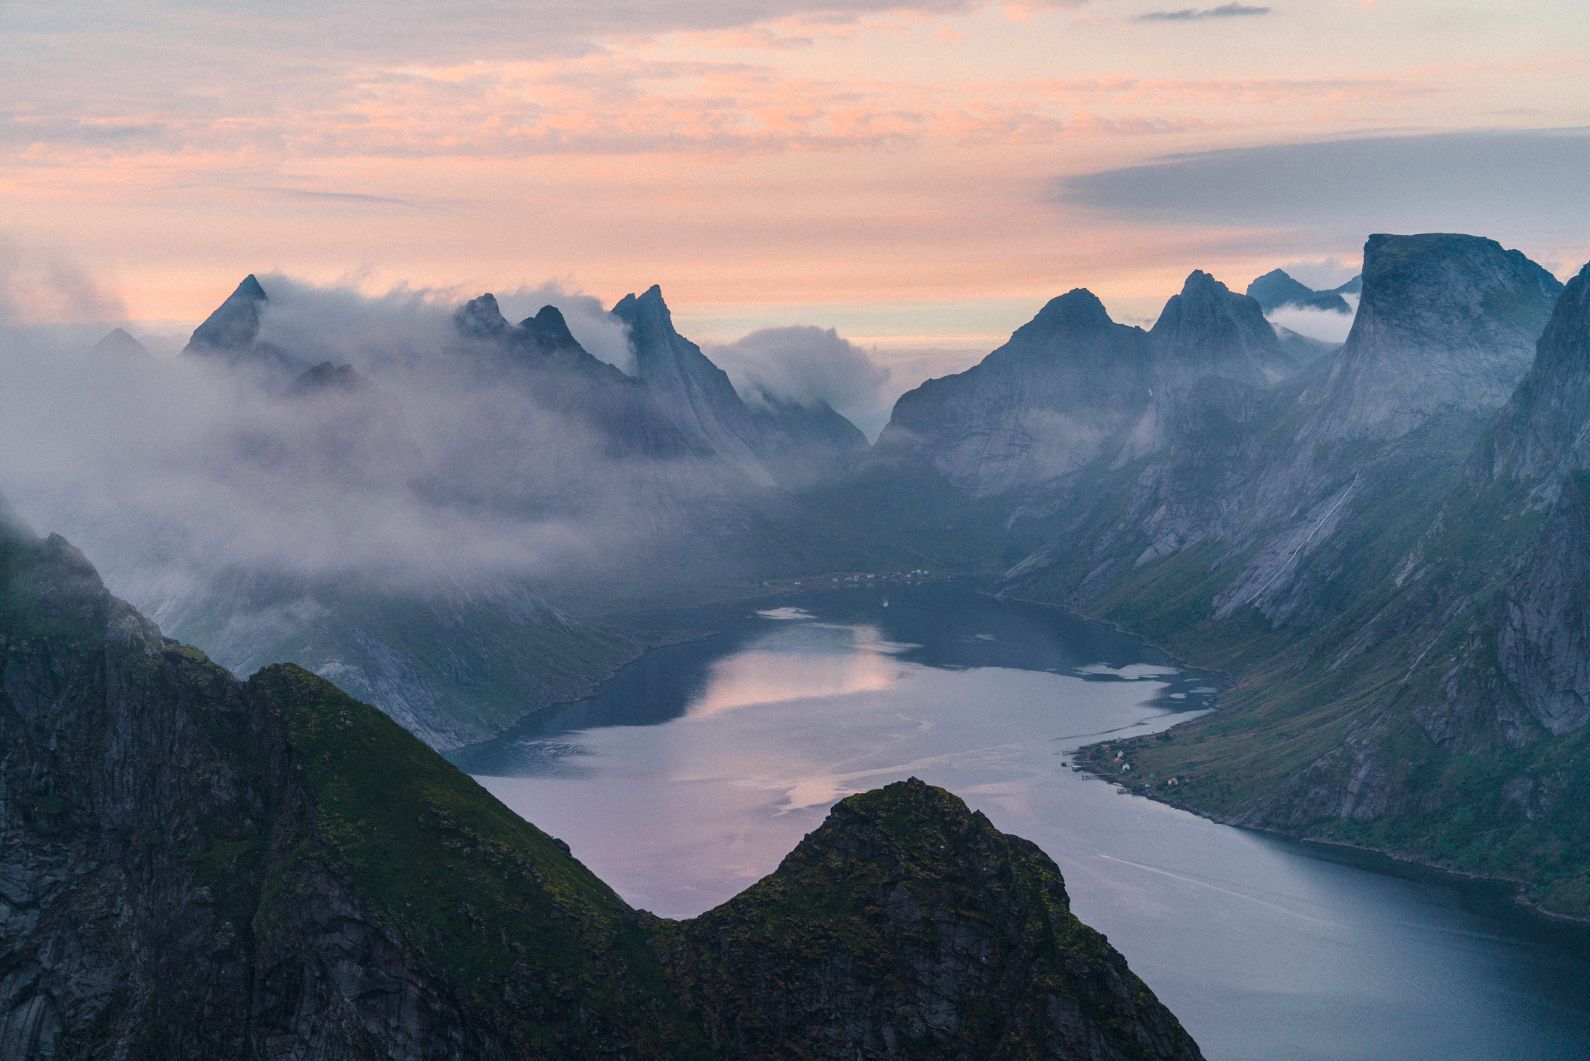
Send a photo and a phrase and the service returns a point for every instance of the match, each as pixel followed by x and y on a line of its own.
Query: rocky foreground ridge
pixel 194 866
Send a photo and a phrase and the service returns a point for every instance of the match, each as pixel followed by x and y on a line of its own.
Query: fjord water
pixel 696 769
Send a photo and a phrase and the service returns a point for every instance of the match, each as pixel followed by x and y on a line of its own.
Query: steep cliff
pixel 194 866
pixel 1447 323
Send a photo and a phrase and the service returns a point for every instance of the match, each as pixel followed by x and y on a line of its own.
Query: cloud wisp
pixel 1200 14
pixel 807 365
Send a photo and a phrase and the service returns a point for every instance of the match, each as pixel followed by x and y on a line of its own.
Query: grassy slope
pixel 1293 702
pixel 383 802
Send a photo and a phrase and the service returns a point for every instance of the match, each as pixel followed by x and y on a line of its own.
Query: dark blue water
pixel 697 768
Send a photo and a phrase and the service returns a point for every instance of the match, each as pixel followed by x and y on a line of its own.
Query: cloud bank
pixel 446 472
pixel 1509 184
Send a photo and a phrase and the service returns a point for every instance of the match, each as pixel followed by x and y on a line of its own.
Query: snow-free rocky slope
pixel 1389 557
pixel 198 867
pixel 1384 547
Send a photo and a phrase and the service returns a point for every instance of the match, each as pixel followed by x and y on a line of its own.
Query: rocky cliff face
pixel 1545 430
pixel 193 866
pixel 1447 323
pixel 694 391
pixel 1526 479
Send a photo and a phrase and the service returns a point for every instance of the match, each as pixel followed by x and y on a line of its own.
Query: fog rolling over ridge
pixel 332 478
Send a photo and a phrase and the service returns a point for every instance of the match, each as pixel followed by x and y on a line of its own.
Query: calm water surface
pixel 695 770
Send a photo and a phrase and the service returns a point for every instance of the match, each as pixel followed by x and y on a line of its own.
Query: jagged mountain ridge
pixel 1261 479
pixel 1385 548
pixel 197 866
pixel 1072 388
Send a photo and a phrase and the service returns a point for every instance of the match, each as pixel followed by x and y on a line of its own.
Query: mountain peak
pixel 234 325
pixel 646 310
pixel 651 324
pixel 480 318
pixel 1278 288
pixel 118 342
pixel 549 328
pixel 1203 287
pixel 973 901
pixel 1200 282
pixel 1209 330
pixel 1077 308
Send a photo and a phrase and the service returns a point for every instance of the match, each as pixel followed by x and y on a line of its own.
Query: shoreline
pixel 1514 885
pixel 1076 760
pixel 1517 886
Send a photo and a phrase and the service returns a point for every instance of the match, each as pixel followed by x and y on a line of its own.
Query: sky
pixel 918 176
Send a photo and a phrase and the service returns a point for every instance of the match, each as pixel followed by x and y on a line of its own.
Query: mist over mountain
pixel 346 481
pixel 809 367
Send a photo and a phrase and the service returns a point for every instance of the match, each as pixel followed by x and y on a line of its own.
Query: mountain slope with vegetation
pixel 196 866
